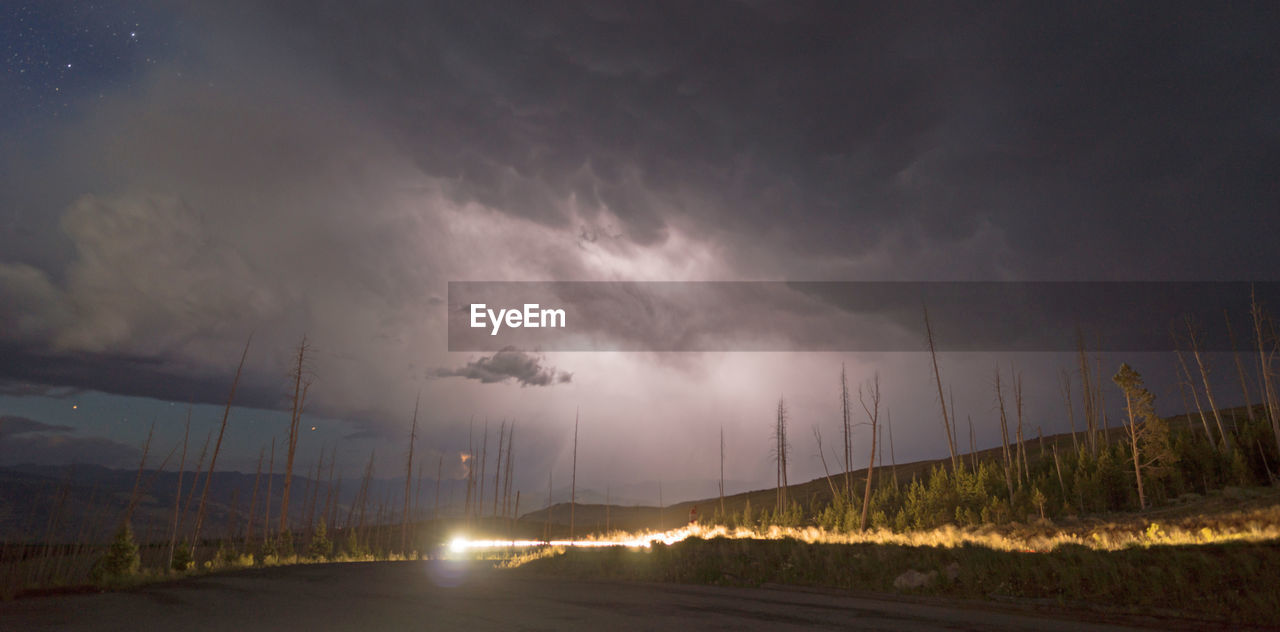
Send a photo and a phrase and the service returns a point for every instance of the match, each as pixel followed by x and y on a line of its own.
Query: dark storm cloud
pixel 23 369
pixel 526 368
pixel 327 167
pixel 1081 136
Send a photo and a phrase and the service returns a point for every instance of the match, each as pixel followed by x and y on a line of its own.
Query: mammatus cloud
pixel 525 368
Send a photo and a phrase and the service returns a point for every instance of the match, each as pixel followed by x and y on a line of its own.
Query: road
pixel 442 595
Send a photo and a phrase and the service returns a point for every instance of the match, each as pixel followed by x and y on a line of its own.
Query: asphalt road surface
pixel 442 595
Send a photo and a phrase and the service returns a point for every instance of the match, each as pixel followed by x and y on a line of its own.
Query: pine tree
pixel 1148 438
pixel 121 559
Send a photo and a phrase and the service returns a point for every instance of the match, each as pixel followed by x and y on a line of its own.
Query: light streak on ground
pixel 1262 525
pixel 460 544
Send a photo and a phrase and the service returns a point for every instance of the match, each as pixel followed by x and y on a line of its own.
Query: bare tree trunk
pixel 311 479
pixel 847 426
pixel 408 475
pixel 1057 464
pixel 937 376
pixel 817 436
pixel 253 500
pixel 1086 385
pixel 266 508
pixel 973 450
pixel 1264 367
pixel 484 466
pixel 471 469
pixel 137 480
pixel 781 456
pixel 497 471
pixel 1004 436
pixel 873 413
pixel 1195 394
pixel 435 513
pixel 217 446
pixel 573 481
pixel 722 471
pixel 195 479
pixel 662 509
pixel 546 527
pixel 1235 353
pixel 1208 392
pixel 1022 443
pixel 508 479
pixel 300 385
pixel 1101 407
pixel 177 499
pixel 893 456
pixel 1065 380
pixel 1133 442
pixel 417 494
pixel 363 497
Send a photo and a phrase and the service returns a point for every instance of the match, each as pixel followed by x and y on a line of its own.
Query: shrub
pixel 182 561
pixel 121 559
pixel 321 547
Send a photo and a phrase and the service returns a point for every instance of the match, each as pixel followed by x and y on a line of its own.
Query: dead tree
pixel 497 471
pixel 508 477
pixel 722 471
pixel 266 507
pixel 1022 442
pixel 873 414
pixel 1064 379
pixel 301 382
pixel 137 481
pixel 817 437
pixel 217 447
pixel 195 480
pixel 177 499
pixel 1265 361
pixel 484 463
pixel 408 474
pixel 1204 376
pixel 893 455
pixel 1004 435
pixel 435 513
pixel 937 376
pixel 253 500
pixel 846 424
pixel 573 480
pixel 1087 396
pixel 780 455
pixel 1195 395
pixel 1235 354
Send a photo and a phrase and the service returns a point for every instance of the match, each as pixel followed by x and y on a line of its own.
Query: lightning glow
pixel 645 540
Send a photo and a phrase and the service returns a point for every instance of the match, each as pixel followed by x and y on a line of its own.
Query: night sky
pixel 177 176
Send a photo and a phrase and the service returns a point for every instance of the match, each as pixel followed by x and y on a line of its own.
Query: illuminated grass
pixel 1219 568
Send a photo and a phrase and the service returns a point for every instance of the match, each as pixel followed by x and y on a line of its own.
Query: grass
pixel 1216 565
pixel 1230 582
